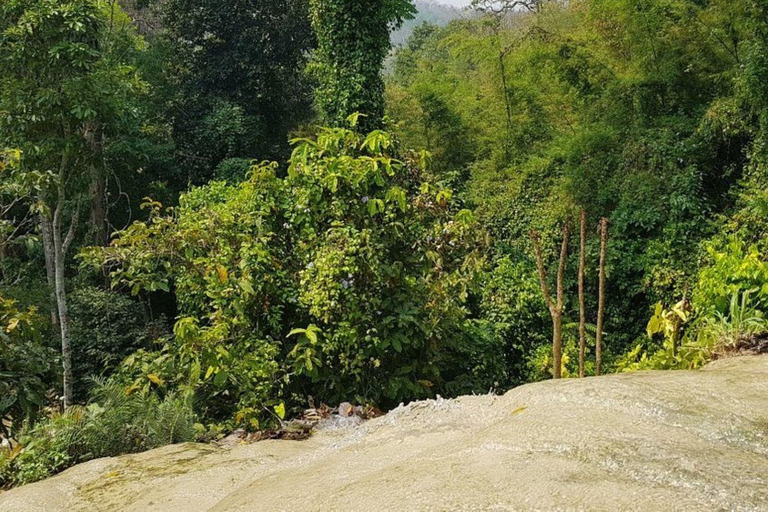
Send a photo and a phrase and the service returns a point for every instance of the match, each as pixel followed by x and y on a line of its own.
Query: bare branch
pixel 561 267
pixel 555 310
pixel 536 239
pixel 71 233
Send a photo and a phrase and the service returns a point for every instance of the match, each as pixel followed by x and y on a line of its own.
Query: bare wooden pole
pixel 582 306
pixel 542 271
pixel 555 308
pixel 558 341
pixel 601 298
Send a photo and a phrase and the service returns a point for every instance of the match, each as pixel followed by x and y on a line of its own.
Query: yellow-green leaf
pixel 222 273
pixel 156 379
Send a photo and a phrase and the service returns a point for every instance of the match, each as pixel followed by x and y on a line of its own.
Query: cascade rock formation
pixel 674 440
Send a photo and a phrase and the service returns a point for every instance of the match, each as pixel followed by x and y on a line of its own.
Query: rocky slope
pixel 645 441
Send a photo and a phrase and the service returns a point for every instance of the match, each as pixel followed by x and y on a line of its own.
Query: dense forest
pixel 214 214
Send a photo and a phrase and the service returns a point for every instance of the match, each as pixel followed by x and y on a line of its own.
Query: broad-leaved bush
pixel 345 279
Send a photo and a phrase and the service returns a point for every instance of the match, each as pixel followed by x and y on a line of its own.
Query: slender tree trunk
pixel 97 189
pixel 582 306
pixel 61 302
pixel 674 340
pixel 57 254
pixel 556 308
pixel 601 297
pixel 46 231
pixel 558 338
pixel 542 271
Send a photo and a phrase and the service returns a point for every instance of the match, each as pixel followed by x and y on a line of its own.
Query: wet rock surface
pixel 644 441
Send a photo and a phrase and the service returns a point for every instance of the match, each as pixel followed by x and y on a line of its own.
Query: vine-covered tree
pixel 353 40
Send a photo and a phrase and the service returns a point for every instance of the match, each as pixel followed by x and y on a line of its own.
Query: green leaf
pixel 247 287
pixel 221 378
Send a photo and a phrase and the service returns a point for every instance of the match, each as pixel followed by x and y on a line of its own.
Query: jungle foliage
pixel 213 214
pixel 647 114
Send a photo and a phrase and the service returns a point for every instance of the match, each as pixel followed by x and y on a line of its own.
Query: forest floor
pixel 682 440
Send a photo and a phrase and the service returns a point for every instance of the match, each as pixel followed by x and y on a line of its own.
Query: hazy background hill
pixel 430 11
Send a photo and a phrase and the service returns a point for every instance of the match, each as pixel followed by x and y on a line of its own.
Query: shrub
pixel 690 344
pixel 232 170
pixel 477 363
pixel 346 279
pixel 512 302
pixel 25 365
pixel 114 423
pixel 733 268
pixel 733 330
pixel 108 327
pixel 50 446
pixel 119 422
pixel 6 466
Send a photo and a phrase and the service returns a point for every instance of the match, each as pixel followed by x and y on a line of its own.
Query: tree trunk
pixel 97 188
pixel 582 307
pixel 66 343
pixel 57 256
pixel 601 297
pixel 46 231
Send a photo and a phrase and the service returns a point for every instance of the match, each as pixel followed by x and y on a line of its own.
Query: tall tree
pixel 63 94
pixel 353 40
pixel 234 78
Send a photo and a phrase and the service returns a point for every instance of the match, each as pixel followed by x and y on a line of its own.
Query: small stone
pixel 236 437
pixel 346 409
